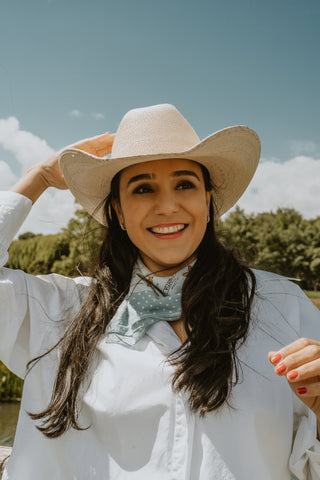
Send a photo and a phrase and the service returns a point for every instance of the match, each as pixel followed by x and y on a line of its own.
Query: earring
pixel 208 218
pixel 122 227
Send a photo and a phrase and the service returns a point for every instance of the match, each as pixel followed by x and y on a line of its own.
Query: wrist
pixel 38 174
pixel 32 184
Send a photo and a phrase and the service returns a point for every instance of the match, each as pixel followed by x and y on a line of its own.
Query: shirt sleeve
pixel 305 457
pixel 34 309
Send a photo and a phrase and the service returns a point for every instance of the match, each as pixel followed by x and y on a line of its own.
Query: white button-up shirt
pixel 138 428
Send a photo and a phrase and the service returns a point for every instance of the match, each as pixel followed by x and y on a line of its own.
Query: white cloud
pixel 293 184
pixel 50 213
pixel 27 147
pixel 75 113
pixel 97 116
pixel 55 207
pixel 7 177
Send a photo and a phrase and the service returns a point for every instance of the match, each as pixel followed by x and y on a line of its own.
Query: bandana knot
pixel 150 299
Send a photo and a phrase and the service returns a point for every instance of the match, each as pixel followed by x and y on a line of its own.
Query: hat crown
pixel 153 130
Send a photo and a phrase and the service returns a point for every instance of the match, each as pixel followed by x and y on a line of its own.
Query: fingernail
pixel 276 358
pixel 281 368
pixel 293 374
pixel 302 390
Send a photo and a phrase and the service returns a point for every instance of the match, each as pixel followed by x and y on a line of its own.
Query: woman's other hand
pixel 299 362
pixel 48 174
pixel 99 146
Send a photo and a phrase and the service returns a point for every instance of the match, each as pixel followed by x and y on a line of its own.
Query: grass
pixel 314 297
pixel 312 293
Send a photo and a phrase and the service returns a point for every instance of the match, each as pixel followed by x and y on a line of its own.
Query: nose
pixel 166 202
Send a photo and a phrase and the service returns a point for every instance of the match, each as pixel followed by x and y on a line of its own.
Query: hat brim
pixel 231 156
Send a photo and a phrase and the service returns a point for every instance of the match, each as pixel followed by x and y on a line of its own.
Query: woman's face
pixel 164 206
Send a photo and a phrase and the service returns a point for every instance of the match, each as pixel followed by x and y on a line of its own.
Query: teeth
pixel 164 230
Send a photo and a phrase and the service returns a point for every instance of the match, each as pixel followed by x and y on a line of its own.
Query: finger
pixel 104 144
pixel 98 145
pixel 304 372
pixel 276 357
pixel 307 389
pixel 300 358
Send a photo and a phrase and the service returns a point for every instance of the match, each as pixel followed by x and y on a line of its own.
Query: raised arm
pixel 48 174
pixel 36 308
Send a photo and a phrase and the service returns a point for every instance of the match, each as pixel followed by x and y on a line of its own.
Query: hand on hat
pixel 48 174
pixel 299 362
pixel 100 145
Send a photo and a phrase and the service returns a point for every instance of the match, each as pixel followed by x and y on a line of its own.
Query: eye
pixel 145 188
pixel 184 185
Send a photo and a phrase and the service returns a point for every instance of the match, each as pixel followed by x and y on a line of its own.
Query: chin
pixel 177 261
pixel 170 264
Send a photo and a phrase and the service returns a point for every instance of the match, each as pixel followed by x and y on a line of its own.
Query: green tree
pixel 37 254
pixel 236 231
pixel 10 385
pixel 26 235
pixel 282 242
pixel 84 236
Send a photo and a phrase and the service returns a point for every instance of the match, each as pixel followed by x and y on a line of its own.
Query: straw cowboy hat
pixel 159 132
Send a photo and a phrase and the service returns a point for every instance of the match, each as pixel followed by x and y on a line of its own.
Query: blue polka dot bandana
pixel 149 300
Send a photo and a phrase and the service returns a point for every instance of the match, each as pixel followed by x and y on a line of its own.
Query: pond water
pixel 8 420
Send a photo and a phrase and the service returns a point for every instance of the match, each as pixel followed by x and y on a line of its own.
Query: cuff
pixel 14 209
pixel 305 457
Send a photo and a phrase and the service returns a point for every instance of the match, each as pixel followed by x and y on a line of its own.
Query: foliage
pixel 26 235
pixel 83 236
pixel 37 254
pixel 72 251
pixel 10 385
pixel 282 242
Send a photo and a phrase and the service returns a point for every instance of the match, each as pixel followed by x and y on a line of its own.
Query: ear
pixel 208 197
pixel 117 209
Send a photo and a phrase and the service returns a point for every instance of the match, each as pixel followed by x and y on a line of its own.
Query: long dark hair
pixel 216 304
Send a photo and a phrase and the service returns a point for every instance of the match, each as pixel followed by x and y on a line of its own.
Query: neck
pixel 165 270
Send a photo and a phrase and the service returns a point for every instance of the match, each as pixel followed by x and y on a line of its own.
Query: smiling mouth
pixel 169 229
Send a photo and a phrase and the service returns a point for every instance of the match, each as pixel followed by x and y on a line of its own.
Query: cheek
pixel 135 213
pixel 198 207
pixel 200 213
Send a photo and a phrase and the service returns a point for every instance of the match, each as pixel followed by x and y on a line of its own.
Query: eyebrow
pixel 143 176
pixel 151 176
pixel 183 173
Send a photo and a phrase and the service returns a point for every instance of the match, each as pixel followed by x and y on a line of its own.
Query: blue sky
pixel 70 69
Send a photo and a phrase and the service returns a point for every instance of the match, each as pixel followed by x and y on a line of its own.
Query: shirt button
pixel 4 211
pixel 180 431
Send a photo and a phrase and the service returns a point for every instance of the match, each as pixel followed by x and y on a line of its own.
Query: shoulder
pixel 55 281
pixel 275 283
pixel 62 280
pixel 50 290
pixel 280 298
pixel 82 285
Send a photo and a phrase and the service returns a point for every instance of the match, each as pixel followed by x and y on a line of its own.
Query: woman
pixel 158 367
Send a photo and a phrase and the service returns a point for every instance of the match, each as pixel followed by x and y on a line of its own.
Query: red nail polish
pixel 281 368
pixel 302 390
pixel 276 358
pixel 292 375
